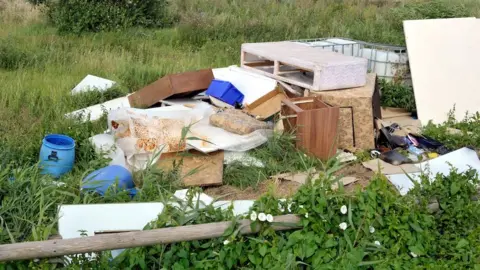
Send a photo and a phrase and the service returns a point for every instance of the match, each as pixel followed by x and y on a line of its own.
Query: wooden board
pixel 316 125
pixel 389 112
pixel 173 85
pixel 444 57
pixel 267 105
pixel 197 169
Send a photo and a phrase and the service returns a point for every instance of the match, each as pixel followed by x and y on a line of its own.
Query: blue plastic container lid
pixel 59 141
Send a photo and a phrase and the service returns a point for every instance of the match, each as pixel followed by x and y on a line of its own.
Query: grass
pixel 39 67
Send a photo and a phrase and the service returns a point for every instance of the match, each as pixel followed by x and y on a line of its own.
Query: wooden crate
pixel 307 67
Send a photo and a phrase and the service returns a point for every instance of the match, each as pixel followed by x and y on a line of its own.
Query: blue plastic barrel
pixel 57 155
pixel 113 176
pixel 225 91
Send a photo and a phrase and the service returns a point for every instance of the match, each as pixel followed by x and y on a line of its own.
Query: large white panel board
pixel 444 57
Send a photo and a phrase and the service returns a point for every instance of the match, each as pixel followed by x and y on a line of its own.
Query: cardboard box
pixel 197 169
pixel 358 108
pixel 174 85
pixel 314 123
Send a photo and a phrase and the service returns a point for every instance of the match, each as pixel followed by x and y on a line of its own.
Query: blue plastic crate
pixel 225 91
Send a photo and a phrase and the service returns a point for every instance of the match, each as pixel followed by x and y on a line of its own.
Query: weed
pixel 397 95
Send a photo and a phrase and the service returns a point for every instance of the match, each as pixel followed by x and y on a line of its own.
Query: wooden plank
pixel 180 84
pixel 55 248
pixel 267 105
pixel 259 63
pixel 197 169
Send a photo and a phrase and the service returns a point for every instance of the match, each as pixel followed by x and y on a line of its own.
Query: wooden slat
pixel 55 248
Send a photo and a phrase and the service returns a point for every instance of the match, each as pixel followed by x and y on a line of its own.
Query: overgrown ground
pixel 38 68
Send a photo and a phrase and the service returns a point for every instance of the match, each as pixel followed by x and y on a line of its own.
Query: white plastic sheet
pixel 461 159
pixel 93 83
pixel 94 112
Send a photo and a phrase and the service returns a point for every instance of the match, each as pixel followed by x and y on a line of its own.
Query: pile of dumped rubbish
pixel 324 91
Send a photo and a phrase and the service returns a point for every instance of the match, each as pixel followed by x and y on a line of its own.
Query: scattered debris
pixel 105 145
pixel 288 61
pixel 172 86
pixel 315 124
pixel 358 108
pixel 242 157
pixel 312 175
pixel 113 177
pixel 225 92
pixel 266 106
pixel 344 157
pixel 237 122
pixel 93 83
pixel 462 159
pixel 389 62
pixel 95 112
pixel 94 219
pixel 387 168
pixel 252 85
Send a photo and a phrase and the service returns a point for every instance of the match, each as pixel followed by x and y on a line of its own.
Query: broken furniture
pixel 305 66
pixel 266 106
pixel 314 123
pixel 173 85
pixel 358 108
pixel 196 169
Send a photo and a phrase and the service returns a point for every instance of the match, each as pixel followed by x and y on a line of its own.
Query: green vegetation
pixel 40 64
pixel 77 16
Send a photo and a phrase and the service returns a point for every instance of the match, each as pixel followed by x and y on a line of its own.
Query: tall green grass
pixel 39 67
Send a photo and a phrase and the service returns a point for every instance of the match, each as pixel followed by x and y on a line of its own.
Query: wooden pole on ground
pixel 55 248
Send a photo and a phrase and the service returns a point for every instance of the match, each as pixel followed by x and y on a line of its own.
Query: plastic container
pixel 225 91
pixel 102 179
pixel 57 155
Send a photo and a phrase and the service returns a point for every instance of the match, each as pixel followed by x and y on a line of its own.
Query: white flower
pixel 301 206
pixel 306 215
pixel 413 254
pixel 226 242
pixel 372 229
pixel 377 243
pixel 253 216
pixel 343 209
pixel 262 217
pixel 269 218
pixel 343 226
pixel 289 207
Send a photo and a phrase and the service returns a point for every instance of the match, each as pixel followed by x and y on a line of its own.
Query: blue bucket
pixel 57 155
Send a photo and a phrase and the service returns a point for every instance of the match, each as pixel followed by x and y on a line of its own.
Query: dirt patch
pixel 357 170
pixel 281 189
